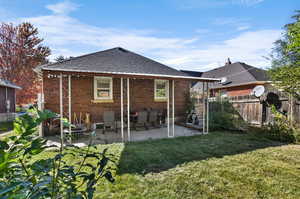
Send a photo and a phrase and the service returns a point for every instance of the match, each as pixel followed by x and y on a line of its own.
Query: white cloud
pixel 245 27
pixel 202 31
pixel 249 47
pixel 69 37
pixel 237 23
pixel 63 8
pixel 249 2
pixel 191 4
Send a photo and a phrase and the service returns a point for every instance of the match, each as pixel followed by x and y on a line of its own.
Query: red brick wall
pixel 141 96
pixel 239 90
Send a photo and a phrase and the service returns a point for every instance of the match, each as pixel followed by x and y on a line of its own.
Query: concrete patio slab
pixel 112 137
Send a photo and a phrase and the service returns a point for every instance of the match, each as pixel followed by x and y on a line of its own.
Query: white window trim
pixel 110 97
pixel 155 85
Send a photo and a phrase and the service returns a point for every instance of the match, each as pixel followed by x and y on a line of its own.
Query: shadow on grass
pixel 159 155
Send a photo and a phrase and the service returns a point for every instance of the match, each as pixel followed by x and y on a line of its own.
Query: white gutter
pixel 242 84
pixel 134 74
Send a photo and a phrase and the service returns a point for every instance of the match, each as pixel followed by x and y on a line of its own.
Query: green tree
pixel 285 71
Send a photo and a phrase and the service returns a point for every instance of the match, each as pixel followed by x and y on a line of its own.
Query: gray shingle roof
pixel 9 84
pixel 115 60
pixel 236 74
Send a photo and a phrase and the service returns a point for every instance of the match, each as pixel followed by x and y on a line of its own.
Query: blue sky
pixel 185 34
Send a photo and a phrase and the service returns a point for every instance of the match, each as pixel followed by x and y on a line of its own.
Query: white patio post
pixel 70 108
pixel 173 108
pixel 128 111
pixel 203 107
pixel 122 115
pixel 40 104
pixel 168 108
pixel 207 109
pixel 61 109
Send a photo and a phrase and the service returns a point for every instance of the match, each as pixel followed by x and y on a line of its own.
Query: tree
pixel 60 58
pixel 21 50
pixel 285 71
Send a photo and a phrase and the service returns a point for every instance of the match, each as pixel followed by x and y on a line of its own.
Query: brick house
pixel 238 79
pixel 7 100
pixel 115 80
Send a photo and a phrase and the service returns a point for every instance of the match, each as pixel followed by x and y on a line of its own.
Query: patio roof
pixel 9 84
pixel 119 61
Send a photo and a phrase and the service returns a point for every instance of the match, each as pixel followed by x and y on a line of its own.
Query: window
pixel 103 88
pixel 160 89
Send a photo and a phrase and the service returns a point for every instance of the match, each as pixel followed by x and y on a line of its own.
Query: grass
pixel 217 165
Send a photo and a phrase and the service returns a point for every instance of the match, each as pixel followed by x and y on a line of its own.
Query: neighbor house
pixel 237 79
pixel 7 100
pixel 116 80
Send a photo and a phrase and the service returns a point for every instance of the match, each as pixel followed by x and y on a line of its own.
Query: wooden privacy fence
pixel 254 112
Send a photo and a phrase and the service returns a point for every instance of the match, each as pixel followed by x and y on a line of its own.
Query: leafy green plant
pixel 190 99
pixel 223 116
pixel 281 128
pixel 20 177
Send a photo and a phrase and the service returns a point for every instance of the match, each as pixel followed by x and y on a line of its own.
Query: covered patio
pixel 70 87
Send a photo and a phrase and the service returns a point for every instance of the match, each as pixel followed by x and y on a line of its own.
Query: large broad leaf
pixel 37 146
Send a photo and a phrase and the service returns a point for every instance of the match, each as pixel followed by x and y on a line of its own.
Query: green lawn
pixel 217 165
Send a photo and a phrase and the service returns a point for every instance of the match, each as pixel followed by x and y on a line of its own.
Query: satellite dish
pixel 223 80
pixel 258 91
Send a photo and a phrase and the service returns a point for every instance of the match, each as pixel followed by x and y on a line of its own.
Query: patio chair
pixel 141 120
pixel 153 117
pixel 109 121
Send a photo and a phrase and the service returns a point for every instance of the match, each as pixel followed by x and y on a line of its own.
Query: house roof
pixel 192 73
pixel 9 84
pixel 236 74
pixel 117 61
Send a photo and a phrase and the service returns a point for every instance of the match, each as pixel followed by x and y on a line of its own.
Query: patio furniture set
pixel 144 119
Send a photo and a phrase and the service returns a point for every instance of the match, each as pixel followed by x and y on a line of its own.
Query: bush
pixel 282 129
pixel 223 116
pixel 22 177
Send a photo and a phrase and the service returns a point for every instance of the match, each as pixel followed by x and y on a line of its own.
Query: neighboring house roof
pixel 116 61
pixel 192 73
pixel 9 84
pixel 236 74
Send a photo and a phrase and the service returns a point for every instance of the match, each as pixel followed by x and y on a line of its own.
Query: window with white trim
pixel 160 89
pixel 103 88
